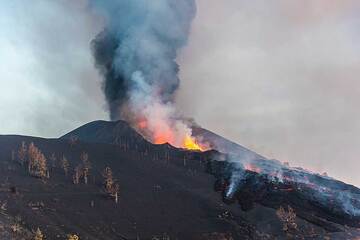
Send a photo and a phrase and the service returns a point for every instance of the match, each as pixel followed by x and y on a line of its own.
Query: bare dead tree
pixel 38 235
pixel 22 153
pixel 65 165
pixel 108 178
pixel 37 163
pixel 73 140
pixel 115 192
pixel 53 159
pixel 86 166
pixel 77 174
pixel 288 218
pixel 111 187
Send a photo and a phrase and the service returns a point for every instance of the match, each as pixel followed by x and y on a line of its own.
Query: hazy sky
pixel 280 77
pixel 47 79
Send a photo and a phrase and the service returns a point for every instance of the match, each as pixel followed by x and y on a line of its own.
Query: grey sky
pixel 280 77
pixel 48 82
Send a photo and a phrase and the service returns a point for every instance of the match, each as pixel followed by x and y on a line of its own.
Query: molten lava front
pixel 188 142
pixel 252 168
pixel 164 133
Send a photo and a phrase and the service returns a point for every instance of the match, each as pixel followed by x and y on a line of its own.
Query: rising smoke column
pixel 136 53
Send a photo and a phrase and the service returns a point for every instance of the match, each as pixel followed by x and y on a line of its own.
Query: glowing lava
pixel 190 143
pixel 252 168
pixel 163 137
pixel 163 133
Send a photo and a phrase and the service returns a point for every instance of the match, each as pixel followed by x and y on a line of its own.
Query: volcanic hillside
pixel 164 192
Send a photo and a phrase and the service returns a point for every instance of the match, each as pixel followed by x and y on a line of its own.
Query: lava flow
pixel 190 143
pixel 186 142
pixel 179 137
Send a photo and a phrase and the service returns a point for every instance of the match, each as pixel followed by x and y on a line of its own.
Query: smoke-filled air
pixel 136 55
pixel 126 109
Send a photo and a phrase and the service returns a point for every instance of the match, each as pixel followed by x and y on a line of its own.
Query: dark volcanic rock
pixel 118 132
pixel 164 191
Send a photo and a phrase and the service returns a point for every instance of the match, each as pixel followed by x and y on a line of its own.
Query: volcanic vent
pixel 246 177
pixel 165 191
pixel 136 54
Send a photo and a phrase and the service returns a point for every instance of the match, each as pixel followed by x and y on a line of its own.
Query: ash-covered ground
pixel 164 193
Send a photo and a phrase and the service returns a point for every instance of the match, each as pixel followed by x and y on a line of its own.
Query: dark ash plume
pixel 136 53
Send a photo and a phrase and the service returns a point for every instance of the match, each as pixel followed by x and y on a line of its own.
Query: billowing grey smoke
pixel 136 53
pixel 142 37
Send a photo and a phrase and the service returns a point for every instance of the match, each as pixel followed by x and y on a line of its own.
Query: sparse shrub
pixel 288 218
pixel 36 205
pixel 72 237
pixel 3 206
pixel 73 140
pixel 38 235
pixel 16 228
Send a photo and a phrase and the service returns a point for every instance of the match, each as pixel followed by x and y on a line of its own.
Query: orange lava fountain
pixel 165 134
pixel 190 143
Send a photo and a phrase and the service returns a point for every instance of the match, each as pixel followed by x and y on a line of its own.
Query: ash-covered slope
pixel 250 177
pixel 159 195
pixel 105 132
pixel 118 131
pixel 163 191
pixel 224 145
